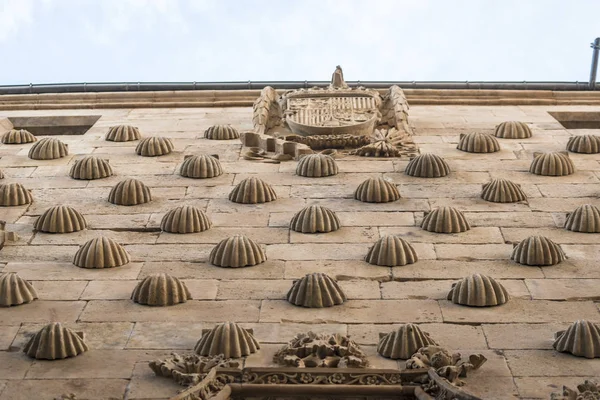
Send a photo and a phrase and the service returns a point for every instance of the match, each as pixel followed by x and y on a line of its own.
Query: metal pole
pixel 596 47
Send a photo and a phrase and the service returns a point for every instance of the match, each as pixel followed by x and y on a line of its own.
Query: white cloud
pixel 15 15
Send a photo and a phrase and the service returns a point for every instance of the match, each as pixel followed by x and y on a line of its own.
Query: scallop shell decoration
pixel 445 220
pixel 154 146
pixel 403 342
pixel 315 219
pixel 60 219
pixel 316 166
pixel 376 190
pixel 101 252
pixel 228 339
pixel 316 290
pixel 91 167
pixel 537 251
pixel 55 342
pixel 1 174
pixel 477 142
pixel 427 166
pixel 502 191
pixel 18 136
pixel 582 339
pixel 552 164
pixel 129 192
pixel 512 130
pixel 586 144
pixel 160 290
pixel 391 251
pixel 14 194
pixel 235 252
pixel 585 218
pixel 221 132
pixel 185 219
pixel 478 291
pixel 123 133
pixel 48 149
pixel 15 290
pixel 200 167
pixel 379 148
pixel 252 191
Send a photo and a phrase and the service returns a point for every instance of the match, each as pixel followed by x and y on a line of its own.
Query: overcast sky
pixel 49 41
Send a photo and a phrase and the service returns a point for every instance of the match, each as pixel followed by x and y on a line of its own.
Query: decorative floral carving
pixel 588 390
pixel 311 350
pixel 448 366
pixel 190 369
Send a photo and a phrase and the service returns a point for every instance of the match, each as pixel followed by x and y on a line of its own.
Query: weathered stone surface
pixel 542 387
pixel 472 251
pixel 477 235
pixel 340 270
pixel 42 311
pixel 14 365
pixel 66 271
pixel 271 269
pixel 542 363
pixel 530 337
pixel 564 289
pixel 343 235
pixel 165 335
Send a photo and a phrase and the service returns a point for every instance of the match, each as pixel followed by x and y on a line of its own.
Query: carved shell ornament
pixel 391 251
pixel 513 130
pixel 60 219
pixel 552 164
pixel 315 219
pixel 316 290
pixel 445 220
pixel 130 192
pixel 154 146
pixel 403 342
pixel 221 132
pixel 252 191
pixel 91 167
pixel 427 166
pixel 537 251
pixel 185 219
pixel 478 291
pixel 55 342
pixel 585 218
pixel 316 166
pixel 377 190
pixel 477 142
pixel 582 339
pixel 123 133
pixel 586 144
pixel 228 339
pixel 18 136
pixel 161 290
pixel 48 149
pixel 200 167
pixel 502 191
pixel 15 290
pixel 14 194
pixel 101 252
pixel 236 252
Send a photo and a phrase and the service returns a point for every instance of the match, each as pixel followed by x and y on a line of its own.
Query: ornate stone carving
pixel 221 132
pixel 427 166
pixel 185 219
pixel 18 136
pixel 154 146
pixel 581 339
pixel 478 291
pixel 48 149
pixel 394 110
pixel 228 339
pixel 101 252
pixel 91 167
pixel 315 219
pixel 552 164
pixel 54 342
pixel 403 342
pixel 512 130
pixel 200 167
pixel 123 133
pixel 316 290
pixel 588 390
pixel 252 191
pixel 585 218
pixel 267 112
pixel 316 166
pixel 321 142
pixel 391 251
pixel 446 365
pixel 129 192
pixel 60 219
pixel 376 190
pixel 190 369
pixel 445 220
pixel 537 251
pixel 15 290
pixel 312 350
pixel 477 142
pixel 237 251
pixel 379 148
pixel 14 194
pixel 160 290
pixel 587 144
pixel 502 191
